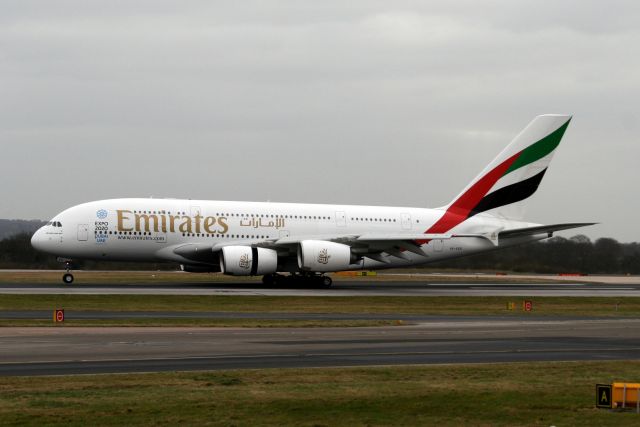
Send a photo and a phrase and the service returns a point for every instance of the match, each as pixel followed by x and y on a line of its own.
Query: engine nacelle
pixel 248 261
pixel 192 268
pixel 322 256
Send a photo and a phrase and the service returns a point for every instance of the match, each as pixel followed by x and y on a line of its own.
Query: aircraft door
pixel 341 219
pixel 83 232
pixel 406 221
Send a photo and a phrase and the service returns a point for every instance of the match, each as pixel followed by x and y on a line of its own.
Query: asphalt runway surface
pixel 114 315
pixel 441 340
pixel 339 288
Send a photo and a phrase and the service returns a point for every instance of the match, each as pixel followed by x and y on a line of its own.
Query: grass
pixel 214 323
pixel 531 394
pixel 454 305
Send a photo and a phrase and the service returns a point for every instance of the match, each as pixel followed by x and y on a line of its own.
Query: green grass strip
pixel 570 306
pixel 531 394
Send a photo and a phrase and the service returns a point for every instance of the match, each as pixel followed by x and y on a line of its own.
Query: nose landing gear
pixel 67 277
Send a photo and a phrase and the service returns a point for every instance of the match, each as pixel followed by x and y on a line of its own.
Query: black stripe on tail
pixel 510 194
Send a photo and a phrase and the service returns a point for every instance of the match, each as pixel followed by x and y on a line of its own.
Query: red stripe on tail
pixel 460 209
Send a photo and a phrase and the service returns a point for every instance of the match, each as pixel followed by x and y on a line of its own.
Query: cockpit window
pixel 55 223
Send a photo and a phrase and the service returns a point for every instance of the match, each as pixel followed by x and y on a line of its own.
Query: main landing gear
pixel 297 279
pixel 67 278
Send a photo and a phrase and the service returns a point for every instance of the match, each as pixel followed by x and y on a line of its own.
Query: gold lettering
pixel 172 223
pixel 198 217
pixel 147 219
pixel 160 222
pixel 121 219
pixel 222 222
pixel 208 223
pixel 185 227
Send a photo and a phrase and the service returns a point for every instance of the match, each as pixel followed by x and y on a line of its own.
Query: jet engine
pixel 248 261
pixel 194 268
pixel 323 256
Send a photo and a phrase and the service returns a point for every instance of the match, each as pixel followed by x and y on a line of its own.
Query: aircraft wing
pixel 366 237
pixel 371 245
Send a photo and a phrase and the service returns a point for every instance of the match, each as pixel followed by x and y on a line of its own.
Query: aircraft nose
pixel 37 240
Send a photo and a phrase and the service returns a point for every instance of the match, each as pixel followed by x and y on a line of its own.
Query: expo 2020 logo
pixel 101 214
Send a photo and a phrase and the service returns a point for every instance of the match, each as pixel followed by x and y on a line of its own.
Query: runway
pixel 339 288
pixel 442 339
pixel 114 315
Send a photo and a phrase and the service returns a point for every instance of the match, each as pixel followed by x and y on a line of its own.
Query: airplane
pixel 306 241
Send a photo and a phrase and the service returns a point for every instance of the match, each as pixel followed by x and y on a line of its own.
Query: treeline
pixel 16 252
pixel 11 227
pixel 556 255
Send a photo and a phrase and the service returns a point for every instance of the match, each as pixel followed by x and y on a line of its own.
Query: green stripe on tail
pixel 539 149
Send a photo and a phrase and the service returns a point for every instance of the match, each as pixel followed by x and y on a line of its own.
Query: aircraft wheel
pixel 326 281
pixel 268 280
pixel 67 278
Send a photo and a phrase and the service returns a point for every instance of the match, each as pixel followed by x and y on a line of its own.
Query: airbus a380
pixel 309 240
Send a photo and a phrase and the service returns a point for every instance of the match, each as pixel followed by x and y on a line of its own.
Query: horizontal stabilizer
pixel 541 229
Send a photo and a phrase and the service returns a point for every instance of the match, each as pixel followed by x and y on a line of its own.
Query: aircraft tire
pixel 67 278
pixel 326 281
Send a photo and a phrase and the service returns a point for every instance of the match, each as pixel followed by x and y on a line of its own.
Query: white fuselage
pixel 155 229
pixel 245 238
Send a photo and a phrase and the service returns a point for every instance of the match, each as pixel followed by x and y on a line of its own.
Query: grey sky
pixel 360 102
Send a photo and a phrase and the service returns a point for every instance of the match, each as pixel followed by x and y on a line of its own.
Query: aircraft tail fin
pixel 512 177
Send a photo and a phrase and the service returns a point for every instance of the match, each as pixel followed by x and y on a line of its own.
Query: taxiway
pixel 339 288
pixel 442 339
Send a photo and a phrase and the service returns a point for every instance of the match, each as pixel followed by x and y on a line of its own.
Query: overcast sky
pixel 358 102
